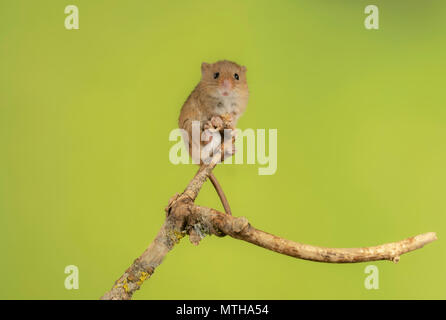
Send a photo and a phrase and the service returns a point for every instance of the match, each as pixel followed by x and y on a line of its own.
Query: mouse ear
pixel 244 69
pixel 204 66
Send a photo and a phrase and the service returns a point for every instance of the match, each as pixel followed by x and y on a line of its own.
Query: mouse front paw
pixel 217 122
pixel 228 120
pixel 209 126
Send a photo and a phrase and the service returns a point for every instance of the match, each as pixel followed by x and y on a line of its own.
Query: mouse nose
pixel 227 84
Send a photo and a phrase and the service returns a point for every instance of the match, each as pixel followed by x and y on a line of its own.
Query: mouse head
pixel 224 79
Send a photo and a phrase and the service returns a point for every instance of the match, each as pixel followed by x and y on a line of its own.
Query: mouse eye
pixel 236 76
pixel 216 75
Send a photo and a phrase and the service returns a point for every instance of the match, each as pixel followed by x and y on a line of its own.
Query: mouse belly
pixel 225 106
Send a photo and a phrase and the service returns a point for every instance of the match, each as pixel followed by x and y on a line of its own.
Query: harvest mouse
pixel 217 102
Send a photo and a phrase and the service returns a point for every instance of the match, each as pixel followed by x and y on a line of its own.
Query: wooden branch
pixel 239 228
pixel 183 217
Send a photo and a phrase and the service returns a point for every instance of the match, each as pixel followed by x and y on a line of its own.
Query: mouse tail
pixel 220 193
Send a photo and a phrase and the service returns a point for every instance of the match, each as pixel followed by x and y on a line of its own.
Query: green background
pixel 85 117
